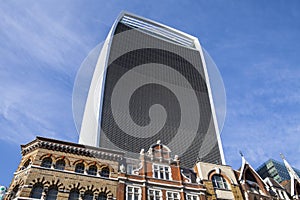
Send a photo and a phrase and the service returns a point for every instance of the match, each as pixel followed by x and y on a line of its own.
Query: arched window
pixel 88 195
pixel 74 195
pixel 102 196
pixel 26 164
pixel 92 170
pixel 79 168
pixel 52 193
pixel 219 182
pixel 60 164
pixel 104 172
pixel 47 162
pixel 37 191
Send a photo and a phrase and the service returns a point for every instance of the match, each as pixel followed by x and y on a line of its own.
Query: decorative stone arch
pixel 48 155
pixel 54 184
pixel 80 161
pixel 106 191
pixel 42 181
pixel 67 161
pixel 76 186
pixel 25 160
pixel 47 184
pixel 219 172
pixel 57 183
pixel 93 163
pixel 90 188
pixel 108 166
pixel 86 188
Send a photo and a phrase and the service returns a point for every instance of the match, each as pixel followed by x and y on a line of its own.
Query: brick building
pixel 53 169
pixel 251 184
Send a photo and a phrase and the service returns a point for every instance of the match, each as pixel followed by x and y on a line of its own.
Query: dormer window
pixel 161 172
pixel 219 182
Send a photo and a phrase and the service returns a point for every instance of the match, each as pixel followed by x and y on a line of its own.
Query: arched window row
pixel 93 169
pixel 38 190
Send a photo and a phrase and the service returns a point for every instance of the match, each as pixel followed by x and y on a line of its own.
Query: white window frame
pixel 221 184
pixel 155 198
pixel 157 167
pixel 192 196
pixel 132 187
pixel 172 195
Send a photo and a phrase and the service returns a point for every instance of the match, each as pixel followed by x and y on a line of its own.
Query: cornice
pixel 73 148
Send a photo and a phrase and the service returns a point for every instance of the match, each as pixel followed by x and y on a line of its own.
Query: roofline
pixel 126 13
pixel 39 138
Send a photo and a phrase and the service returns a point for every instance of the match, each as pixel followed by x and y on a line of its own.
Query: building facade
pixel 52 169
pixel 156 175
pixel 251 184
pixel 275 169
pixel 151 83
pixel 278 190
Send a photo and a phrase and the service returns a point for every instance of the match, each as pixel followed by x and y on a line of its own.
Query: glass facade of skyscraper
pixel 275 170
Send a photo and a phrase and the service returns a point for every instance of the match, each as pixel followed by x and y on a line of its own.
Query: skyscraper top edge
pixel 157 29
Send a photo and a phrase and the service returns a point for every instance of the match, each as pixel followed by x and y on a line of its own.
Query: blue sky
pixel 255 44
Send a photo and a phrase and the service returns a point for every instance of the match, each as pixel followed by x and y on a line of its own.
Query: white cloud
pixel 262 114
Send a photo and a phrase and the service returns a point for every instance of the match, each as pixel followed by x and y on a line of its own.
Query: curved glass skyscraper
pixel 151 83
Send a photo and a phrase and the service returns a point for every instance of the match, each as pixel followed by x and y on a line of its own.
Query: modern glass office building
pixel 151 84
pixel 275 170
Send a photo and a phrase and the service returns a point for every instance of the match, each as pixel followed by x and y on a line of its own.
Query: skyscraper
pixel 151 83
pixel 275 169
